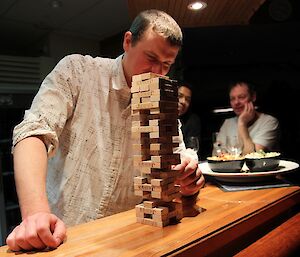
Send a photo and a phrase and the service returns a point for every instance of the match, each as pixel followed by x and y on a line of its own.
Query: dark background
pixel 265 52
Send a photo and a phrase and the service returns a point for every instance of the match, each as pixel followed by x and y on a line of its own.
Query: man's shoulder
pixel 87 59
pixel 86 63
pixel 194 115
pixel 268 117
pixel 231 120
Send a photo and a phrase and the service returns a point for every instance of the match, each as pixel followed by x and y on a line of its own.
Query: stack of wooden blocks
pixel 154 133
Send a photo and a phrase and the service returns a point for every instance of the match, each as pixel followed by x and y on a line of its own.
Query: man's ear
pixel 127 40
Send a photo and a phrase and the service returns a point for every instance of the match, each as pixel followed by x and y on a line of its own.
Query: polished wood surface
pixel 225 218
pixel 284 240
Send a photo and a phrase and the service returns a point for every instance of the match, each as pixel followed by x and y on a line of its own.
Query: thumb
pixel 58 229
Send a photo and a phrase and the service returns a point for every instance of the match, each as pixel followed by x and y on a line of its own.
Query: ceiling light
pixel 196 6
pixel 56 3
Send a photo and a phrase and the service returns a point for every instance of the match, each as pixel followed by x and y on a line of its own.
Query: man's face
pixel 239 96
pixel 184 99
pixel 152 53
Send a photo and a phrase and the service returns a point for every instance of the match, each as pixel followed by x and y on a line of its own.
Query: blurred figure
pixel 190 122
pixel 255 130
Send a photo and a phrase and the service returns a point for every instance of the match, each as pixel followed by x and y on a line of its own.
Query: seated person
pixel 255 130
pixel 190 122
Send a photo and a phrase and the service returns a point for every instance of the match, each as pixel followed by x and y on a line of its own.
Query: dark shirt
pixel 191 126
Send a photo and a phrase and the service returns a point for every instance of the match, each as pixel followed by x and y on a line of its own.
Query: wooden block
pixel 135 89
pixel 161 182
pixel 140 180
pixel 144 140
pixel 171 93
pixel 144 194
pixel 147 163
pixel 160 211
pixel 135 100
pixel 137 159
pixel 163 116
pixel 143 152
pixel 163 174
pixel 161 140
pixel 145 100
pixel 147 187
pixel 164 133
pixel 171 159
pixel 148 75
pixel 139 112
pixel 153 203
pixel 145 170
pixel 145 94
pixel 139 210
pixel 161 97
pixel 147 221
pixel 164 122
pixel 144 87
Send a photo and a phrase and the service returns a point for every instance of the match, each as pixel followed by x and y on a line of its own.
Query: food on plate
pixel 262 161
pixel 225 163
pixel 225 157
pixel 261 154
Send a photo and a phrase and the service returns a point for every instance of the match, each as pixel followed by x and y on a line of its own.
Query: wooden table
pixel 229 222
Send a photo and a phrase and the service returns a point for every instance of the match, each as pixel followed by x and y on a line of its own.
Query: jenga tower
pixel 154 125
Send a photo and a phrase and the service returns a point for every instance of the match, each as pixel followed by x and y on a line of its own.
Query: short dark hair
pixel 161 22
pixel 249 85
pixel 185 84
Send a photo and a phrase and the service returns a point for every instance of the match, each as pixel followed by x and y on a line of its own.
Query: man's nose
pixel 235 101
pixel 157 68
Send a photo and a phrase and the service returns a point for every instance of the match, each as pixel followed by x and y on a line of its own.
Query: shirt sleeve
pixel 51 107
pixel 223 133
pixel 268 134
pixel 184 152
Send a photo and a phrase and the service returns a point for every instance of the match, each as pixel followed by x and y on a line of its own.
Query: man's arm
pixel 248 115
pixel 39 228
pixel 248 145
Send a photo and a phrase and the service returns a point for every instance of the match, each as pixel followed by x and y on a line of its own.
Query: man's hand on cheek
pixel 190 177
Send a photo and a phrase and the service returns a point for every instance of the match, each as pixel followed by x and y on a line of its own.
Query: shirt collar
pixel 118 78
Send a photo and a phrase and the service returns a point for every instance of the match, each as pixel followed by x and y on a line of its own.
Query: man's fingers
pixel 20 238
pixel 59 233
pixel 188 170
pixel 32 237
pixel 43 226
pixel 11 242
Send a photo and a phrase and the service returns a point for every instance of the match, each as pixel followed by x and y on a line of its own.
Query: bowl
pixel 217 164
pixel 266 162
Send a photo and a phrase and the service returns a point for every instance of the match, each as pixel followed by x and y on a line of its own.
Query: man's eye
pixel 151 59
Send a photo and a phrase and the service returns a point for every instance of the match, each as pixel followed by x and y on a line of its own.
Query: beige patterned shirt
pixel 83 112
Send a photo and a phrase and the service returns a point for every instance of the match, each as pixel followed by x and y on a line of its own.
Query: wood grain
pixel 224 218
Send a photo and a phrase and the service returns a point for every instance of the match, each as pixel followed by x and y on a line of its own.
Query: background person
pixel 72 152
pixel 255 130
pixel 190 122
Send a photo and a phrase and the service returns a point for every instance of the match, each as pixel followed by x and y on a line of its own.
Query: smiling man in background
pixel 255 130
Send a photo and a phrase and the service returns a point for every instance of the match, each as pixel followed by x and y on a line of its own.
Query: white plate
pixel 284 166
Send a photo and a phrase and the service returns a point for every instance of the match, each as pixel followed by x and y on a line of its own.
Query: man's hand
pixel 248 114
pixel 38 231
pixel 190 178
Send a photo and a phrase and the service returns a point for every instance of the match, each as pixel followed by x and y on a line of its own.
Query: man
pixel 190 122
pixel 80 119
pixel 255 130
